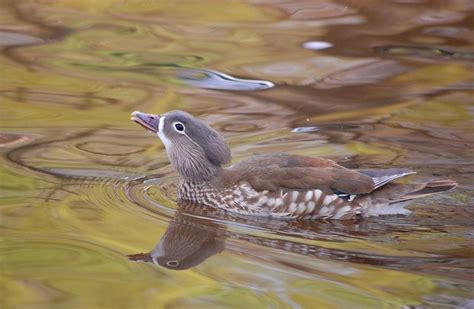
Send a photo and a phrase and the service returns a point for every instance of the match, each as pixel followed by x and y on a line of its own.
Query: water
pixel 87 197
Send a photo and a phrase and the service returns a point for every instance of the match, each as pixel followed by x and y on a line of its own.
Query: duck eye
pixel 172 263
pixel 179 126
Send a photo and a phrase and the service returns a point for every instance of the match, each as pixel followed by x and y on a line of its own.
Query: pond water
pixel 87 196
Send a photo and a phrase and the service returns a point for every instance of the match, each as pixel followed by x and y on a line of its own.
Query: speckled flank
pixel 243 199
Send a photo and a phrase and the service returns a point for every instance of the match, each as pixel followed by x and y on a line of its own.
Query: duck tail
pixel 392 198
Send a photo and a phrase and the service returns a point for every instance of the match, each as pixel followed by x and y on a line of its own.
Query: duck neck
pixel 193 166
pixel 199 173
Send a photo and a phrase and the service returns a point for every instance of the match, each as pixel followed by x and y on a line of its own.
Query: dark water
pixel 85 194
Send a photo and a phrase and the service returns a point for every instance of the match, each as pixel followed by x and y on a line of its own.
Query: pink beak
pixel 148 121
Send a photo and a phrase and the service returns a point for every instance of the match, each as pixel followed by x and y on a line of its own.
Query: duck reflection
pixel 187 242
pixel 193 236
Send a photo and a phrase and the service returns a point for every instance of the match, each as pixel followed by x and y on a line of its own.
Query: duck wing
pixel 282 171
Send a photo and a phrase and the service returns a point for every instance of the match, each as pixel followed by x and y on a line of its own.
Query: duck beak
pixel 148 121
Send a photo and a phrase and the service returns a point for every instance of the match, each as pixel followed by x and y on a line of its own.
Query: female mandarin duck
pixel 276 185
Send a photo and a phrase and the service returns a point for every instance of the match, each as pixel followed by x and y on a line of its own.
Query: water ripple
pixel 425 52
pixel 210 79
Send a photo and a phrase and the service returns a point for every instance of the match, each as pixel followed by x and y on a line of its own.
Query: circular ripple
pixel 98 148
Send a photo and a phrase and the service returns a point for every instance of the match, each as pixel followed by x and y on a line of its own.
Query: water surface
pixel 87 197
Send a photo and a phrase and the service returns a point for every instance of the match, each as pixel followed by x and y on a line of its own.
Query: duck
pixel 278 185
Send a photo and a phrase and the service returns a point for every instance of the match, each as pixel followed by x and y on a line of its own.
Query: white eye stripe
pixel 161 133
pixel 161 124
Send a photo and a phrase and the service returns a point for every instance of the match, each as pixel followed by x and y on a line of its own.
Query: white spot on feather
pixel 278 202
pixel 311 206
pixel 324 211
pixel 294 195
pixel 308 196
pixel 292 208
pixel 329 199
pixel 271 201
pixel 317 194
pixel 342 212
pixel 327 211
pixel 262 200
pixel 301 208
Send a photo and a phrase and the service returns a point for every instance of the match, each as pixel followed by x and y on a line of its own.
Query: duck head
pixel 196 150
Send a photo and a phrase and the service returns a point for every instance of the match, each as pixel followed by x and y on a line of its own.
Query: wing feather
pixel 282 171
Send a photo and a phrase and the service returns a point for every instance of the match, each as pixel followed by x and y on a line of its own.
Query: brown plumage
pixel 276 185
pixel 274 171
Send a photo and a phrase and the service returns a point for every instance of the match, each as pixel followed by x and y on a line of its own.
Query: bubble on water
pixel 316 45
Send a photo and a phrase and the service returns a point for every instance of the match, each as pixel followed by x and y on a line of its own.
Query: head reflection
pixel 187 242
